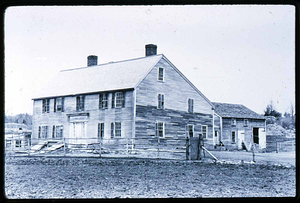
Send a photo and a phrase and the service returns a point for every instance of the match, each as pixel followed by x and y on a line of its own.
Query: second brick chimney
pixel 151 49
pixel 92 60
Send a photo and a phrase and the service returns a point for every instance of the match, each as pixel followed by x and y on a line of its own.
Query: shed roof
pixel 235 111
pixel 104 77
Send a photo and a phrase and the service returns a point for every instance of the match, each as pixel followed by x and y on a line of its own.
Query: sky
pixel 241 54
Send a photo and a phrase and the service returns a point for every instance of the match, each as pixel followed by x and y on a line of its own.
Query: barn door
pixel 241 138
pixel 262 138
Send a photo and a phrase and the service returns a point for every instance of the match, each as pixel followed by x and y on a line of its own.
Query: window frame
pixel 46 105
pixel 56 104
pixel 246 122
pixel 160 101
pixel 188 130
pixel 103 100
pixel 118 132
pixel 233 141
pixel 233 121
pixel 58 131
pixel 159 78
pixel 158 131
pixel 43 129
pixel 101 131
pixel 190 105
pixel 119 100
pixel 206 131
pixel 80 103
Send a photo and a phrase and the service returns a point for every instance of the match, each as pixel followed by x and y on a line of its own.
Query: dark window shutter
pixel 123 101
pixel 53 132
pixel 39 133
pixel 112 130
pixel 100 101
pixel 159 101
pixel 163 101
pixel 156 129
pixel 113 100
pixel 62 104
pixel 98 130
pixel 77 103
pixel 82 107
pixel 54 104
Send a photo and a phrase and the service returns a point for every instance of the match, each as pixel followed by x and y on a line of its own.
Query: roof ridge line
pixel 109 63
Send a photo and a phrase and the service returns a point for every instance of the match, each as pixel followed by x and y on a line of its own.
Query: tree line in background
pixel 20 118
pixel 287 121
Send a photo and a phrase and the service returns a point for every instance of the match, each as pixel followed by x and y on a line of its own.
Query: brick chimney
pixel 92 60
pixel 151 49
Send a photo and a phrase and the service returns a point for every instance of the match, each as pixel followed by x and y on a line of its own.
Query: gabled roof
pixel 104 77
pixel 235 111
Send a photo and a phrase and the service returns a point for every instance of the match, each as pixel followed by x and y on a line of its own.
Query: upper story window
pixel 161 101
pixel 80 103
pixel 190 105
pixel 103 101
pixel 46 105
pixel 160 129
pixel 245 122
pixel 233 122
pixel 118 100
pixel 160 74
pixel 59 104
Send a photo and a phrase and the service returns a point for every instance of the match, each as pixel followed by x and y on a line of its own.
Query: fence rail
pixel 154 147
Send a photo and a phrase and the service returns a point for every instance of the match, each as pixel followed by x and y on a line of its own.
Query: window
pixel 113 100
pixel 233 121
pixel 190 130
pixel 191 106
pixel 160 74
pixel 204 131
pixel 161 101
pixel 233 136
pixel 103 102
pixel 255 136
pixel 120 99
pixel 245 122
pixel 58 131
pixel 46 105
pixel 59 104
pixel 160 129
pixel 43 132
pixel 80 103
pixel 117 129
pixel 100 130
pixel 18 143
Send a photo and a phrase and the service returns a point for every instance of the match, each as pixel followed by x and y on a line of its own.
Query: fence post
pixel 127 145
pixel 158 146
pixel 28 145
pixel 100 146
pixel 200 144
pixel 64 140
pixel 187 153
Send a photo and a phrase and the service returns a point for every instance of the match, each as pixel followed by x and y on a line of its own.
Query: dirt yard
pixel 44 178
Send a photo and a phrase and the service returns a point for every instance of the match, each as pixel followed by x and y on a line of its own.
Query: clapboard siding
pixel 175 121
pixel 96 115
pixel 176 90
pixel 175 114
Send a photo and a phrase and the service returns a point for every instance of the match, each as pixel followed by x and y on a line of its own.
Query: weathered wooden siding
pixel 176 90
pixel 227 128
pixel 96 115
pixel 175 121
pixel 175 114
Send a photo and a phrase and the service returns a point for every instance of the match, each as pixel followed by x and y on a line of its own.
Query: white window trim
pixel 163 80
pixel 188 105
pixel 164 129
pixel 206 131
pixel 122 100
pixel 233 121
pixel 158 100
pixel 188 132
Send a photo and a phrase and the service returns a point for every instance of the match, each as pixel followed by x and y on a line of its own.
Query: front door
pixel 77 133
pixel 241 138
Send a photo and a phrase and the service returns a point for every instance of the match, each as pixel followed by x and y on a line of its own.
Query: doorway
pixel 77 133
pixel 256 135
